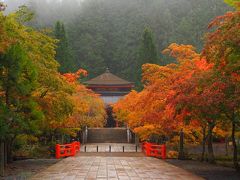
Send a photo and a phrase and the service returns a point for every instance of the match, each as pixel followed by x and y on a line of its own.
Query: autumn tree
pixel 223 49
pixel 198 94
pixel 150 108
pixel 89 109
pixel 36 100
pixel 234 3
pixel 177 96
pixel 19 78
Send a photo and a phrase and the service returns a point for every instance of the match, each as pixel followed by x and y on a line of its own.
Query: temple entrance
pixel 111 88
pixel 111 122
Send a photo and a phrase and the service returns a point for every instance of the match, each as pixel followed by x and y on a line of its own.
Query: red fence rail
pixel 66 150
pixel 154 150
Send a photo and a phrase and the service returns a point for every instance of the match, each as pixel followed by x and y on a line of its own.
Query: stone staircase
pixel 107 135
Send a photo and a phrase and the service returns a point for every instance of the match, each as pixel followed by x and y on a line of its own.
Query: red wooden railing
pixel 154 150
pixel 66 150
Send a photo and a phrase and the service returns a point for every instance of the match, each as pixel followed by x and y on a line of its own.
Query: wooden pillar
pixel 86 134
pixel 2 158
pixel 136 140
pixel 83 137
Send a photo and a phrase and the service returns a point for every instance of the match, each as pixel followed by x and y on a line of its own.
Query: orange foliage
pixel 189 95
pixel 88 107
pixel 154 110
pixel 72 77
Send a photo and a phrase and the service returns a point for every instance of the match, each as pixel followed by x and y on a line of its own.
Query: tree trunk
pixel 211 157
pixel 181 146
pixel 7 99
pixel 235 153
pixel 226 146
pixel 5 154
pixel 9 152
pixel 2 161
pixel 204 144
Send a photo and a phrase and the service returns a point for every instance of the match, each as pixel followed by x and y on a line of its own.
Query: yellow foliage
pixel 145 131
pixel 172 154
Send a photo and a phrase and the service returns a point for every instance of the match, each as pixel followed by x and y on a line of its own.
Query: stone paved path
pixel 133 168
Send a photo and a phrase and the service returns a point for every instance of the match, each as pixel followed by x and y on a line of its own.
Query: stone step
pixel 107 135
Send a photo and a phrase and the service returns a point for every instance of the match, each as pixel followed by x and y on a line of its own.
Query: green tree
pixel 28 73
pixel 63 52
pixel 147 53
pixel 18 79
pixel 107 33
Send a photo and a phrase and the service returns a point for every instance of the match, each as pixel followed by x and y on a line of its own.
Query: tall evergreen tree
pixel 63 52
pixel 147 53
pixel 18 80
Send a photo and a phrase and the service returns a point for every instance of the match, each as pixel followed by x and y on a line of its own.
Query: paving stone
pixel 98 167
pixel 79 178
pixel 69 177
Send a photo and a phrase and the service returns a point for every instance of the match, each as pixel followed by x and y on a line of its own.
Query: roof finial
pixel 107 70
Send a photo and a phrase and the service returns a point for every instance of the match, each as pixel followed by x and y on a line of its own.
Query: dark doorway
pixel 110 119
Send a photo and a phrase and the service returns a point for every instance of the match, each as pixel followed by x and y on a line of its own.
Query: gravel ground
pixel 207 171
pixel 22 170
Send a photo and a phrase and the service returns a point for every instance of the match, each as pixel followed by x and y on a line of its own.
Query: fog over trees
pixel 108 33
pixel 182 55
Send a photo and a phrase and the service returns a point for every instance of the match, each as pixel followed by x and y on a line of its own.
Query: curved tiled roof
pixel 108 78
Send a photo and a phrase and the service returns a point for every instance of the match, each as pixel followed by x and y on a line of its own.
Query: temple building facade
pixel 110 87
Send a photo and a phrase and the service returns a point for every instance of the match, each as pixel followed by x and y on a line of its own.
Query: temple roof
pixel 108 78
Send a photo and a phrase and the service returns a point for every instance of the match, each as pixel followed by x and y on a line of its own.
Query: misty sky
pixel 14 4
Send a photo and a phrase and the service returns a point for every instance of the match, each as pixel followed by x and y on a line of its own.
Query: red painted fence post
pixel 164 151
pixel 58 149
pixel 73 149
pixel 146 148
pixel 77 146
